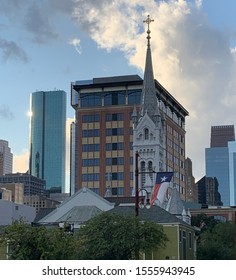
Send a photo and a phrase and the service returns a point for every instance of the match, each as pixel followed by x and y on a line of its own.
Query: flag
pixel 162 182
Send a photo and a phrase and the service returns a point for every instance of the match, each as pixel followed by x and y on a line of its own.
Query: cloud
pixel 21 162
pixel 191 59
pixel 5 113
pixel 37 22
pixel 10 50
pixel 76 43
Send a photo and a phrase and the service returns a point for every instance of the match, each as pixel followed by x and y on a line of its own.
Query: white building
pixel 10 212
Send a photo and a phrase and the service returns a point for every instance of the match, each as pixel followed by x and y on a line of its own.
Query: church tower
pixel 148 126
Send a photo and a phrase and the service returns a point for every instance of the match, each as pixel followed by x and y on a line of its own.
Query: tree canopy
pixel 106 236
pixel 113 236
pixel 34 243
pixel 218 243
pixel 217 240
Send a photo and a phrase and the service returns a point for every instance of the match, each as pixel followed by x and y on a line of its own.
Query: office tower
pixel 6 158
pixel 47 138
pixel 221 135
pixel 221 162
pixel 191 187
pixel 104 146
pixel 208 193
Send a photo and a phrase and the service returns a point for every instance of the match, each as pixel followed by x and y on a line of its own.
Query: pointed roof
pixel 175 205
pixel 149 100
pixel 76 205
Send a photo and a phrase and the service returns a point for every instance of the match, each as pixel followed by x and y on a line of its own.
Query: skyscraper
pixel 6 158
pixel 106 110
pixel 47 137
pixel 221 162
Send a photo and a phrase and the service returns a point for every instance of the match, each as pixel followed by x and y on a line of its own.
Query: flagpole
pixel 136 185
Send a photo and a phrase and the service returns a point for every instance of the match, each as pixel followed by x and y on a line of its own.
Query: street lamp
pixel 142 203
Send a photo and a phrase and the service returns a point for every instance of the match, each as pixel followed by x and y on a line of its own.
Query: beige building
pixel 14 192
pixel 38 202
pixel 191 187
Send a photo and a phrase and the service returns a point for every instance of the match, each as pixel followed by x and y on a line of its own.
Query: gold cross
pixel 148 21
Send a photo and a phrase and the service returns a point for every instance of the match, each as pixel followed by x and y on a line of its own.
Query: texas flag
pixel 162 182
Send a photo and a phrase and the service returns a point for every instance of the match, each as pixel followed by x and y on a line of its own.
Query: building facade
pixel 221 162
pixel 6 158
pixel 208 193
pixel 47 137
pixel 16 191
pixel 191 187
pixel 32 184
pixel 102 151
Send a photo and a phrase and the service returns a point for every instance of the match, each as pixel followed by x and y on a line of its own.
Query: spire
pixel 149 99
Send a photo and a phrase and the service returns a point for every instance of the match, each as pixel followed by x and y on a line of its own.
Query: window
pixel 146 134
pixel 117 176
pixel 91 162
pixel 142 173
pixel 114 98
pixel 90 100
pixel 114 131
pixel 90 177
pixel 114 146
pixel 190 240
pixel 180 235
pixel 115 117
pixel 150 169
pixel 134 96
pixel 90 147
pixel 90 118
pixel 90 133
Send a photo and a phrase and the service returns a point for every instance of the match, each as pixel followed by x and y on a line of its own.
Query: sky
pixel 47 44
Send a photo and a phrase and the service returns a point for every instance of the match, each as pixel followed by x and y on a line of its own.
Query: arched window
pixel 146 134
pixel 143 173
pixel 150 169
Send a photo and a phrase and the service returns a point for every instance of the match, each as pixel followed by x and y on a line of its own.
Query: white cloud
pixel 76 43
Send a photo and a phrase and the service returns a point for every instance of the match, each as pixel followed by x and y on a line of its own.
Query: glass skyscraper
pixel 221 162
pixel 48 137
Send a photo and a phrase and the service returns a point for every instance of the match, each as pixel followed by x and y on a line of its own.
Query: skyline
pixel 49 45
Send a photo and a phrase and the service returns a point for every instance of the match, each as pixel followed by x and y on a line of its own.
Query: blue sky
pixel 48 44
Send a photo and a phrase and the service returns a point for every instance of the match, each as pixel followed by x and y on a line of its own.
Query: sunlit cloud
pixel 21 162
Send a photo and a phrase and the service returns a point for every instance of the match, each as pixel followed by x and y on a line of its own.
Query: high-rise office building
pixel 6 158
pixel 191 187
pixel 103 143
pixel 208 193
pixel 221 162
pixel 48 138
pixel 221 135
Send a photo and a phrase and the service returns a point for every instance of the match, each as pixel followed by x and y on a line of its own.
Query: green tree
pixel 204 222
pixel 217 243
pixel 34 243
pixel 112 236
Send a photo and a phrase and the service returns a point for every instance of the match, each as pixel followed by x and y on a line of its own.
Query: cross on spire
pixel 148 21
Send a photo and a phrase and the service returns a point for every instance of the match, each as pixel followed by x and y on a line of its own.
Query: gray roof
pixel 155 214
pixel 175 205
pixel 43 212
pixel 117 79
pixel 80 214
